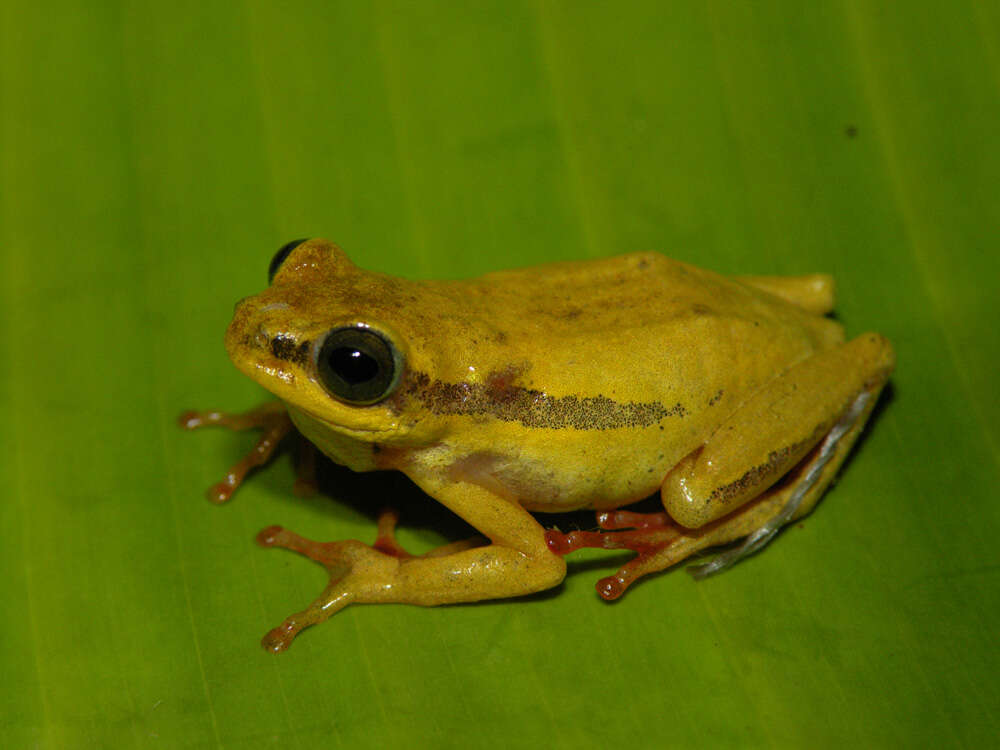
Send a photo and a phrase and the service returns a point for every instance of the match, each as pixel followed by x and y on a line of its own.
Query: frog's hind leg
pixel 650 535
pixel 660 542
pixel 814 292
pixel 797 496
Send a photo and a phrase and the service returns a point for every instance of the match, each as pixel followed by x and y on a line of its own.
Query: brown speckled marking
pixel 753 477
pixel 715 399
pixel 532 407
pixel 286 348
pixel 500 383
pixel 570 313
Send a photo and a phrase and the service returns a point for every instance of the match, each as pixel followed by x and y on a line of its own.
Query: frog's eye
pixel 279 258
pixel 359 365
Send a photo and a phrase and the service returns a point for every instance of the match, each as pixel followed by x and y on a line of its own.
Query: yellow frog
pixel 589 384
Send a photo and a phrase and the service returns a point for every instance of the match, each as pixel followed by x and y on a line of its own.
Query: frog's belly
pixel 555 474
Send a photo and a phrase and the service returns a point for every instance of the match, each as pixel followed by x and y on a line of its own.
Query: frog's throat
pixel 529 406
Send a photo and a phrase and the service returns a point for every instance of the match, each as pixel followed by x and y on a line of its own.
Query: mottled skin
pixel 589 384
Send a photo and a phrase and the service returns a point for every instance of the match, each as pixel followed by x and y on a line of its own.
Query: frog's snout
pixel 248 328
pixel 241 303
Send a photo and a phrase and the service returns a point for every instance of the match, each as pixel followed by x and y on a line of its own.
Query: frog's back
pixel 630 328
pixel 647 288
pixel 649 349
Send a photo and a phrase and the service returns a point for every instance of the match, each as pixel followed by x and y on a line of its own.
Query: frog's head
pixel 320 338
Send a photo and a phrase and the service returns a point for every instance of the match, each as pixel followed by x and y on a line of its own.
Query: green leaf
pixel 153 157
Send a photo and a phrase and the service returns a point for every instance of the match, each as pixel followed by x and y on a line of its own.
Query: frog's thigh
pixel 774 430
pixel 516 562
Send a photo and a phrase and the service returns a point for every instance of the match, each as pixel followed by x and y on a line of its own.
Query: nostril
pixel 258 321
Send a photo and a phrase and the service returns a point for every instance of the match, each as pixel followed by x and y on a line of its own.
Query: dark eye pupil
pixel 353 365
pixel 358 365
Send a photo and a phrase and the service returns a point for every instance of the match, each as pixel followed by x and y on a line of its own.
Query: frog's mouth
pixel 285 365
pixel 290 380
pixel 269 372
pixel 361 432
pixel 302 394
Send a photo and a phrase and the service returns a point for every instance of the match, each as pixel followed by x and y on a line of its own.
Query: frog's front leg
pixel 275 425
pixel 798 429
pixel 515 562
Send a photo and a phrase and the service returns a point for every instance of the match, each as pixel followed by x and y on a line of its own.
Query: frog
pixel 567 386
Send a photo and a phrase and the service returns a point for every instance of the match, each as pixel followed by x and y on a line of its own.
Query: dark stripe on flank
pixel 531 407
